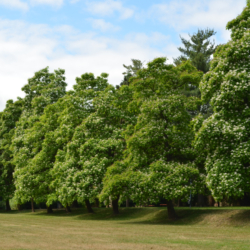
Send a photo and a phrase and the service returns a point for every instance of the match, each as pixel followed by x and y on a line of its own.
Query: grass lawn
pixel 133 228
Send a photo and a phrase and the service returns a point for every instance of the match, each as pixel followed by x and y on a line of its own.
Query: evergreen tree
pixel 131 71
pixel 198 50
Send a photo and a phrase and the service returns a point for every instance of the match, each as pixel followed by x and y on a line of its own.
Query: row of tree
pixel 149 138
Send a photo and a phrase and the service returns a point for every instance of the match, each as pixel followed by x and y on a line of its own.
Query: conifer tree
pixel 198 50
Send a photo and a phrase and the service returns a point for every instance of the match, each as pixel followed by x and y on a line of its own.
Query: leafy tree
pixel 199 50
pixel 223 139
pixel 8 119
pixel 97 143
pixel 160 142
pixel 43 89
pixel 63 117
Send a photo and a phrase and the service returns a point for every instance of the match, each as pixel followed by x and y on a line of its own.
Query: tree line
pixel 166 130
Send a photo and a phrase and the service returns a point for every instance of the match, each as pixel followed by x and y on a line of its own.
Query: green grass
pixel 133 228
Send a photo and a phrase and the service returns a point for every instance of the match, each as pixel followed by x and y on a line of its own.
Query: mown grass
pixel 133 228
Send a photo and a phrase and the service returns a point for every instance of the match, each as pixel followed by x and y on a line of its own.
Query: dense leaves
pixel 223 139
pixel 8 119
pixel 137 141
pixel 31 171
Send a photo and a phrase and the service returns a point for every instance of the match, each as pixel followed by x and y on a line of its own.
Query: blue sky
pixel 98 36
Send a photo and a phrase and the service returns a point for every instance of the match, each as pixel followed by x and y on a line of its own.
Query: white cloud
pixel 15 4
pixel 185 14
pixel 102 25
pixel 26 48
pixel 108 7
pixel 56 3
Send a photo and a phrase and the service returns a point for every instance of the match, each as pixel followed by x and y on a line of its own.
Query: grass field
pixel 134 228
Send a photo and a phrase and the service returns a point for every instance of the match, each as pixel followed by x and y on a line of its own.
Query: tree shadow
pixel 154 216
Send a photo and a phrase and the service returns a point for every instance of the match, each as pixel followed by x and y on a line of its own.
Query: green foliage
pixel 223 139
pixel 161 137
pixel 198 50
pixel 8 119
pixel 75 176
pixel 32 181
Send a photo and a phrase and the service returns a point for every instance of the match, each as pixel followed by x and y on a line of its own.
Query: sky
pixel 98 36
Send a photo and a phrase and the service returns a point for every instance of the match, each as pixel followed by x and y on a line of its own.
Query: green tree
pixel 159 145
pixel 43 89
pixel 74 108
pixel 8 119
pixel 131 71
pixel 97 143
pixel 223 139
pixel 198 50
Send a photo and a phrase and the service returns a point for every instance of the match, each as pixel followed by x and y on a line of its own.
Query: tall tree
pixel 97 143
pixel 8 119
pixel 223 139
pixel 58 123
pixel 198 49
pixel 87 89
pixel 160 142
pixel 43 89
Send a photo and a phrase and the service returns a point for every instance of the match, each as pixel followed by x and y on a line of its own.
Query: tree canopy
pixel 223 139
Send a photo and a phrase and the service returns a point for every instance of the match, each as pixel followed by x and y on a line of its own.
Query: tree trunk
pixel 68 210
pixel 59 205
pixel 32 206
pixel 74 204
pixel 7 203
pixel 49 209
pixel 171 212
pixel 115 206
pixel 97 203
pixel 88 205
pixel 19 207
pixel 211 201
pixel 127 203
pixel 201 200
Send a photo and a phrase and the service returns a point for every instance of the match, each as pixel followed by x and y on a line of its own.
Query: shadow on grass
pixel 154 216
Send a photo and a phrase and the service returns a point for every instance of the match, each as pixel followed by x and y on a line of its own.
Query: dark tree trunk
pixel 115 206
pixel 74 204
pixel 97 203
pixel 68 210
pixel 171 212
pixel 32 205
pixel 49 209
pixel 201 200
pixel 179 203
pixel 88 205
pixel 211 201
pixel 59 205
pixel 19 207
pixel 7 203
pixel 127 203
